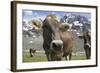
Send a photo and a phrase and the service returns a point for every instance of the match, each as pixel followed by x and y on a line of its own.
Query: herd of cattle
pixel 58 42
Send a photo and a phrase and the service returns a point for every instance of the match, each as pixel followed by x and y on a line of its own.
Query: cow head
pixel 53 43
pixel 87 39
pixel 51 36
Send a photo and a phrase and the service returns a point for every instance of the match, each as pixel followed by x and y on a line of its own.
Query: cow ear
pixel 36 24
pixel 64 27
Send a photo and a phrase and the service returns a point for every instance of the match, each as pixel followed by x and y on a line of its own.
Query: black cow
pixel 32 52
pixel 87 43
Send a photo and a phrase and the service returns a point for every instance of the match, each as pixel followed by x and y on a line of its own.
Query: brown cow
pixel 58 42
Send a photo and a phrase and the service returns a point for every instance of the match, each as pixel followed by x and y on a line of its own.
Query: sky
pixel 31 14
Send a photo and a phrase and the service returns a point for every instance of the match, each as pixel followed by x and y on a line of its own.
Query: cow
pixel 87 43
pixel 57 41
pixel 32 52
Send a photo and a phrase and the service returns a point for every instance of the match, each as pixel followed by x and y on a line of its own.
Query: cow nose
pixel 57 44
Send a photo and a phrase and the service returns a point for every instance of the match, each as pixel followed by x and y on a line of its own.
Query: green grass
pixel 40 57
pixel 79 57
pixel 27 58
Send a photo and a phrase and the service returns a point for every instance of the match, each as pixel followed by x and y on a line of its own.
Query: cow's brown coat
pixel 61 33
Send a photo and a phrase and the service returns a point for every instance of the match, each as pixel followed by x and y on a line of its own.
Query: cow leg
pixel 66 57
pixel 70 56
pixel 48 56
pixel 31 55
pixel 88 53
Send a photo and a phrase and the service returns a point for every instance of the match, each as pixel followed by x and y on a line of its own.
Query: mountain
pixel 31 28
pixel 78 21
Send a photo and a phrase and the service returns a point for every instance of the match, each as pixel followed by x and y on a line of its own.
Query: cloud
pixel 28 13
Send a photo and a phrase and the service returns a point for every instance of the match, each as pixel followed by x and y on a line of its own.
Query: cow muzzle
pixel 87 45
pixel 56 45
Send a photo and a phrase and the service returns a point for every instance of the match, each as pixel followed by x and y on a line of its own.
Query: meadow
pixel 40 56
